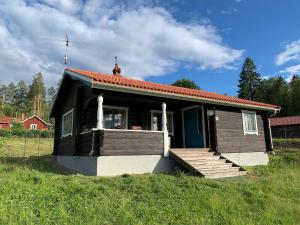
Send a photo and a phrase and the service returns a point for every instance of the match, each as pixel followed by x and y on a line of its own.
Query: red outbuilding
pixel 35 123
pixel 6 122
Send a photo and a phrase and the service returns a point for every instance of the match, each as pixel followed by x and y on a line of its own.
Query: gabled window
pixel 67 124
pixel 156 121
pixel 249 122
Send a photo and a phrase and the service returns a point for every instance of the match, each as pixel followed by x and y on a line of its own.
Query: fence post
pixel 24 149
pixel 39 145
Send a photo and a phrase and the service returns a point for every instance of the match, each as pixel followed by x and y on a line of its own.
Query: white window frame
pixel 33 125
pixel 62 128
pixel 243 121
pixel 168 112
pixel 120 108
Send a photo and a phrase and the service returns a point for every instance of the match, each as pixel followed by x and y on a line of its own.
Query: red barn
pixel 6 122
pixel 35 123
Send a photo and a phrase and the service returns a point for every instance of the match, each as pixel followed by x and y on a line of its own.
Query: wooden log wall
pixel 230 133
pixel 132 143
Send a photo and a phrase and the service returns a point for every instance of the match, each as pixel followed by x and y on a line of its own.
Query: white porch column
pixel 100 112
pixel 165 129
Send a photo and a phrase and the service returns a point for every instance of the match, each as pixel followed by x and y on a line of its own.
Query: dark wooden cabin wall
pixel 132 143
pixel 230 133
pixel 67 101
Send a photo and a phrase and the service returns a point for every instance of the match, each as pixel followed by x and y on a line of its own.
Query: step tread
pixel 206 162
pixel 211 173
pixel 215 176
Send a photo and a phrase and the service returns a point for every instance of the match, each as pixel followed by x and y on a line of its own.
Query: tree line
pixel 33 99
pixel 274 90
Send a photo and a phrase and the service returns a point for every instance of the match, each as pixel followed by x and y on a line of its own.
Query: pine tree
pixel 249 82
pixel 2 95
pixel 11 93
pixel 50 94
pixel 21 95
pixel 278 94
pixel 37 95
pixel 294 107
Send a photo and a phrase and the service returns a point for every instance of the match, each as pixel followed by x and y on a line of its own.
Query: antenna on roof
pixel 66 51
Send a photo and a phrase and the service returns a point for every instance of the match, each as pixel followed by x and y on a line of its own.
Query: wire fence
pixel 25 147
pixel 287 144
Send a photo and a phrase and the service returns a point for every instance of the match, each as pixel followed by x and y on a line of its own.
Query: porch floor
pixel 206 162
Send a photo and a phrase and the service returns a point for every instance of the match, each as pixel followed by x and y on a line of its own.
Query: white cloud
pixel 291 69
pixel 147 40
pixel 265 77
pixel 229 11
pixel 291 53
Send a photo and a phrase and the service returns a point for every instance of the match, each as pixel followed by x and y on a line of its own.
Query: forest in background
pixel 273 90
pixel 33 99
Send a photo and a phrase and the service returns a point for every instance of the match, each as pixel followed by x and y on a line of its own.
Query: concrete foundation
pixel 248 158
pixel 118 165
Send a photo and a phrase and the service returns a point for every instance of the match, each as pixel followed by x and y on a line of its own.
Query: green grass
pixel 35 190
pixel 20 146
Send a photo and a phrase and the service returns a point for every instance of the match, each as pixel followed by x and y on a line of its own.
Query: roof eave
pixel 106 86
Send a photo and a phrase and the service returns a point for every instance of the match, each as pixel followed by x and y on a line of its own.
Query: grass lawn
pixel 19 146
pixel 35 190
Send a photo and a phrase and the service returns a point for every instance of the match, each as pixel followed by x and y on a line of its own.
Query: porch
pixel 122 124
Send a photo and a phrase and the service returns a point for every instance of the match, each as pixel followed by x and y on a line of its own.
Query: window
pixel 115 117
pixel 249 122
pixel 67 124
pixel 156 121
pixel 33 126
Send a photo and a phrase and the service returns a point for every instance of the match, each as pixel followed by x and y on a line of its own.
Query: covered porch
pixel 118 124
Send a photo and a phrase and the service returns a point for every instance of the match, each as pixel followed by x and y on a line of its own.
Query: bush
pixel 26 133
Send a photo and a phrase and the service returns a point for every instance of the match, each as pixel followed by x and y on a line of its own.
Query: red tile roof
pixel 283 121
pixel 6 119
pixel 155 87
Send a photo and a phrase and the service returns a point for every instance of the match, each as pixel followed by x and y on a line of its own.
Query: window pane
pixel 67 123
pixel 114 119
pixel 157 121
pixel 108 119
pixel 249 121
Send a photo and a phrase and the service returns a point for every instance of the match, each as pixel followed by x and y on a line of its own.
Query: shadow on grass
pixel 45 164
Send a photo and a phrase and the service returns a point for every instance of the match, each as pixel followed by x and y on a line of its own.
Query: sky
pixel 155 40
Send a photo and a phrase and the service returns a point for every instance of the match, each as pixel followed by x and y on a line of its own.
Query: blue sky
pixel 262 28
pixel 159 41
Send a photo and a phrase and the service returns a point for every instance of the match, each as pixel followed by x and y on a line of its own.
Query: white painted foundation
pixel 248 158
pixel 118 165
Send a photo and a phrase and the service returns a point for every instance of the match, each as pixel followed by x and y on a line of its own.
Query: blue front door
pixel 193 128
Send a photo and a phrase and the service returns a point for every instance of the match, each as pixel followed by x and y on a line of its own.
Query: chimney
pixel 117 70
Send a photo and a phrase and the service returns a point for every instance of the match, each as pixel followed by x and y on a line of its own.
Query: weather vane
pixel 66 51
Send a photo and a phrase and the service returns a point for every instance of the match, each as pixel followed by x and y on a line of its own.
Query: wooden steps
pixel 206 163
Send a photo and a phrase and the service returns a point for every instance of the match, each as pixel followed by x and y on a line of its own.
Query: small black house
pixel 110 125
